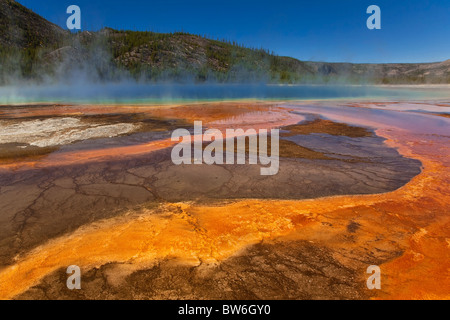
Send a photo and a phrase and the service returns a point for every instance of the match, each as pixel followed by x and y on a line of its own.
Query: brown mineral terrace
pixel 257 248
pixel 244 116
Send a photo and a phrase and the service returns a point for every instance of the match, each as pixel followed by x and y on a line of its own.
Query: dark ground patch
pixel 279 270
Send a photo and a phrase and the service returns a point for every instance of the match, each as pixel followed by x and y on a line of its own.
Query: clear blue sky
pixel 325 30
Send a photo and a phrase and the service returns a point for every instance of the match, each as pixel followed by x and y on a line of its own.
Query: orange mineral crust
pixel 210 111
pixel 423 271
pixel 413 220
pixel 406 232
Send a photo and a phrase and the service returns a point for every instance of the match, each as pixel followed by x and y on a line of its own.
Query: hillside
pixel 33 48
pixel 21 27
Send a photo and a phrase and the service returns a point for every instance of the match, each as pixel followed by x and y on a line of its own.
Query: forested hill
pixel 35 49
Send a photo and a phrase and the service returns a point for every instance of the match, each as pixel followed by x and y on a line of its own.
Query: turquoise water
pixel 133 93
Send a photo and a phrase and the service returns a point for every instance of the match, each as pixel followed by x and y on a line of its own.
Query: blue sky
pixel 320 30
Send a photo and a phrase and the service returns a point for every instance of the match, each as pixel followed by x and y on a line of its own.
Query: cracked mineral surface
pixel 359 184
